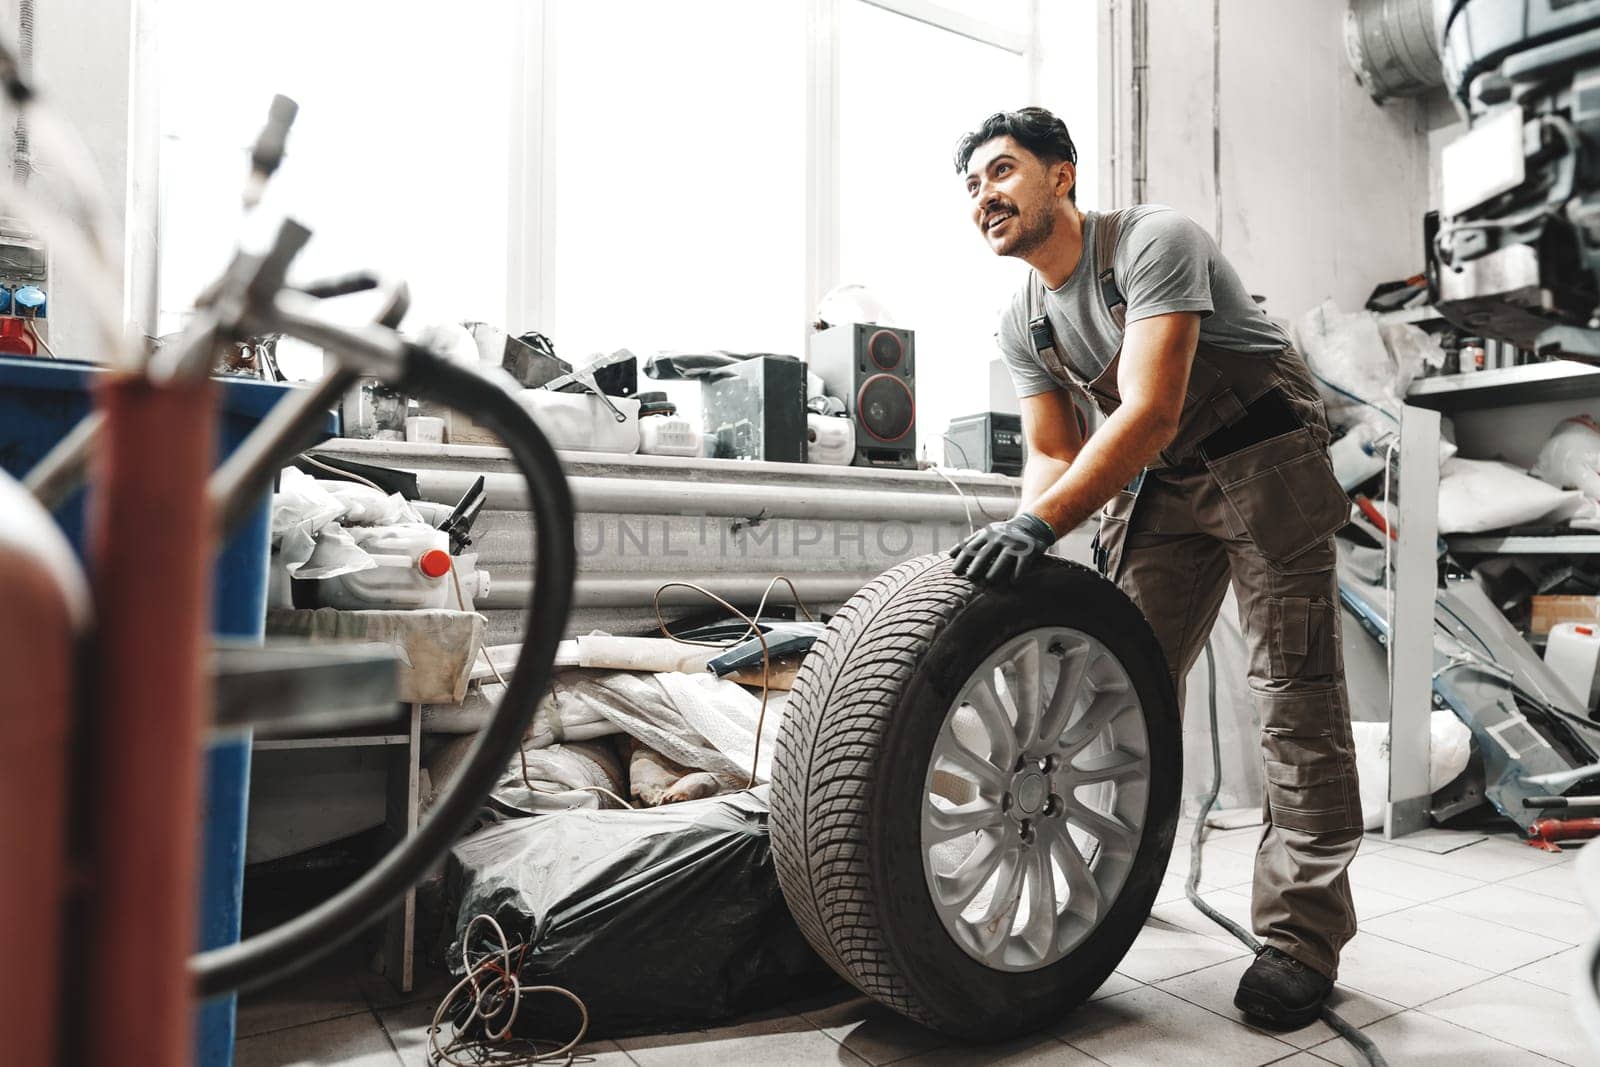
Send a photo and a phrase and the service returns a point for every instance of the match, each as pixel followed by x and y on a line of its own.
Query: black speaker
pixel 873 370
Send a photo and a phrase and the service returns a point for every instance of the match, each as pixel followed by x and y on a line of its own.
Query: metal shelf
pixel 288 744
pixel 1551 545
pixel 1532 383
pixel 1425 313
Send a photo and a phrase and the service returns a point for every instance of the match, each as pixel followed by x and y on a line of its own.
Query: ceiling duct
pixel 1393 46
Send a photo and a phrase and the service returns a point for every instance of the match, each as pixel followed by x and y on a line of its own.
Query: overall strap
pixel 1043 336
pixel 1107 228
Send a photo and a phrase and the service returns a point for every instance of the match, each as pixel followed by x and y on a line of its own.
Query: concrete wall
pixel 1258 130
pixel 1313 190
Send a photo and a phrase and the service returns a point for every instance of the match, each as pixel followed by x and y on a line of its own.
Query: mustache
pixel 998 208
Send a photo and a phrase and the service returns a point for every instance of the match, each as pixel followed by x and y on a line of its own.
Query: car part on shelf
pixel 1485 673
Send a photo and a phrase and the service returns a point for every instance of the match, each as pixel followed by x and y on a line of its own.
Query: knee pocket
pixel 1301 639
pixel 1311 784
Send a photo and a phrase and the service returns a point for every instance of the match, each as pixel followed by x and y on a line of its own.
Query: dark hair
pixel 1033 128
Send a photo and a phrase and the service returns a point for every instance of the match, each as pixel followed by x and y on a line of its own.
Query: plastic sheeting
pixel 562 777
pixel 698 720
pixel 1363 370
pixel 667 918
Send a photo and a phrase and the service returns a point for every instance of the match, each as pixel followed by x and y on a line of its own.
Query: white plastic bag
pixel 1570 459
pixel 1448 752
pixel 300 509
pixel 336 553
pixel 366 506
pixel 1477 495
pixel 1353 367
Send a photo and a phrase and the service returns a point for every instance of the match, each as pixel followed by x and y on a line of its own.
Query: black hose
pixel 1362 1043
pixel 310 936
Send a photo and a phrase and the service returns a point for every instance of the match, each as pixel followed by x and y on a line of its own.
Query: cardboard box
pixel 459 429
pixel 1549 610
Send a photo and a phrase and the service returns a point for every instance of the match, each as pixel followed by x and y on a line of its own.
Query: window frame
pixel 532 193
pixel 532 258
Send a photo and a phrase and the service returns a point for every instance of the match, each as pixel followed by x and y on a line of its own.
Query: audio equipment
pixel 756 409
pixel 873 370
pixel 990 442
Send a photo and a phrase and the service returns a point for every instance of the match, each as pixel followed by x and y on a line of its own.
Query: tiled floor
pixel 1466 956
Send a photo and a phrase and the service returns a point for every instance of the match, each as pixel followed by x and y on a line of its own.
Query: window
pixel 671 140
pixel 397 160
pixel 679 180
pixel 679 176
pixel 908 91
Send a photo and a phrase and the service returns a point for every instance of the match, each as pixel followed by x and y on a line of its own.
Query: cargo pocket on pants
pixel 1302 637
pixel 1283 493
pixel 1311 786
pixel 1112 537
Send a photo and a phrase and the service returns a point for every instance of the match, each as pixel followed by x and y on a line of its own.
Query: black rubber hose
pixel 310 936
pixel 1362 1043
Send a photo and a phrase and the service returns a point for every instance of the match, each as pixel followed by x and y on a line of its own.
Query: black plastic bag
pixel 667 918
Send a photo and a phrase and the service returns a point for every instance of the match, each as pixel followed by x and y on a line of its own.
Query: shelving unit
pixel 1427 401
pixel 1533 383
pixel 1515 545
pixel 402 803
pixel 1409 316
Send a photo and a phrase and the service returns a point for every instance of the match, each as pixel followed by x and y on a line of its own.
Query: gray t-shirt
pixel 1164 263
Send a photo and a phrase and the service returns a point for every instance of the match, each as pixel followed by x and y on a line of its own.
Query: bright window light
pixel 908 91
pixel 679 177
pixel 397 161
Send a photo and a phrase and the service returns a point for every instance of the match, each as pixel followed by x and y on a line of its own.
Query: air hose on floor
pixel 1361 1042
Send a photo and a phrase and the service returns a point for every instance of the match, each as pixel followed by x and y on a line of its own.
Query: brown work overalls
pixel 1246 491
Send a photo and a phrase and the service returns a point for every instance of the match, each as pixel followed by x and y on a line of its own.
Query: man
pixel 1211 464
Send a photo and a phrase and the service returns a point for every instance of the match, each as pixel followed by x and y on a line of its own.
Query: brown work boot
pixel 1281 991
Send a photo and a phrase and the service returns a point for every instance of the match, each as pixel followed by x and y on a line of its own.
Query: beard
pixel 1033 230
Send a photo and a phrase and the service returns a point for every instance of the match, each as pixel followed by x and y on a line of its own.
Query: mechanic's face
pixel 1014 195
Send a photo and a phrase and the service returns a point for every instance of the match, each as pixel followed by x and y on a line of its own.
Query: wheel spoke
pixel 1069 687
pixel 994 926
pixel 946 824
pixel 1107 767
pixel 1040 929
pixel 996 723
pixel 1083 892
pixel 972 873
pixel 1035 796
pixel 1108 829
pixel 1104 709
pixel 1025 667
pixel 991 779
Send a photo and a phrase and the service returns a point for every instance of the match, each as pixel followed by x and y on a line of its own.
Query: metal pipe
pixel 46 612
pixel 1569 803
pixel 291 425
pixel 634 592
pixel 792 500
pixel 1393 46
pixel 62 469
pixel 151 550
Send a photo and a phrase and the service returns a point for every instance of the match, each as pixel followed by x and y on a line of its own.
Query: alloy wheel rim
pixel 1035 799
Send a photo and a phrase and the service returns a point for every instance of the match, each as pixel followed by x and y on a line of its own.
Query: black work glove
pixel 1001 551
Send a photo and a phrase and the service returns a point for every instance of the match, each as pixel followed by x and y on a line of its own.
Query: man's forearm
pixel 1040 473
pixel 1109 460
